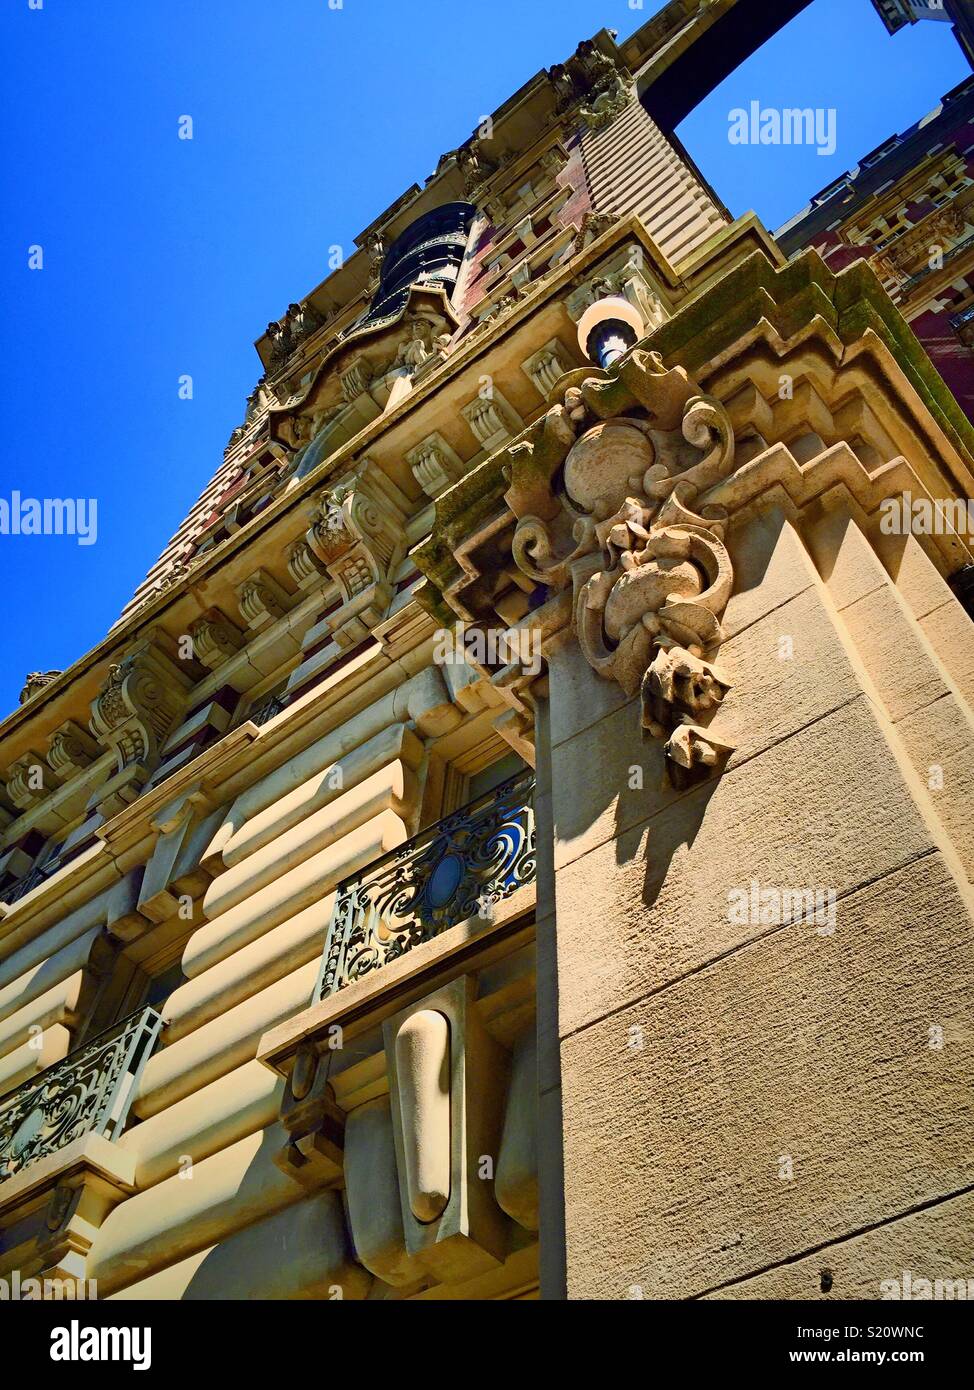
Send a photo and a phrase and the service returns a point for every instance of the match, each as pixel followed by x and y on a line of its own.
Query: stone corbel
pixel 141 699
pixel 215 639
pixel 606 492
pixel 71 750
pixel 492 420
pixel 356 379
pixel 544 367
pixel 650 575
pixel 303 566
pixel 358 534
pixel 29 780
pixel 123 916
pixel 52 1211
pixel 516 728
pixel 315 1124
pixel 262 600
pixel 435 465
pixel 163 882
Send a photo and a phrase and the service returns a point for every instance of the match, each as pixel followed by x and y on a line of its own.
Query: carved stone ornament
pixel 474 165
pixel 375 249
pixel 593 82
pixel 286 335
pixel 609 98
pixel 138 704
pixel 36 681
pixel 71 750
pixel 357 529
pixel 607 502
pixel 27 781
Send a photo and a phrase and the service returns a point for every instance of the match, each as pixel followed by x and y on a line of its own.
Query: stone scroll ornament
pixel 607 491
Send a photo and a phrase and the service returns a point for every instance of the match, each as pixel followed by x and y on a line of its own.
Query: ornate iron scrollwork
pixel 88 1093
pixel 453 870
pixel 267 710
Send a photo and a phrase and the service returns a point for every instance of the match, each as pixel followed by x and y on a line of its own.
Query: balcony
pixel 22 886
pixel 88 1093
pixel 454 870
pixel 267 709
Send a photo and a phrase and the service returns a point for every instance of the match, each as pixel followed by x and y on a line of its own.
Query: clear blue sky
pixel 164 256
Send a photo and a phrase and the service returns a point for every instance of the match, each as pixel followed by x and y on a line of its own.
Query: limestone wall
pixel 745 1089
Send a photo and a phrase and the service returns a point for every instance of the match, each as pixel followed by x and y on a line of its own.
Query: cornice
pixel 194 782
pixel 788 307
pixel 467 352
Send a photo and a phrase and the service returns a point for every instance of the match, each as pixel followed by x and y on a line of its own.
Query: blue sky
pixel 165 257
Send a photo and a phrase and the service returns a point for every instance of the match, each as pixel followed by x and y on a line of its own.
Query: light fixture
pixel 608 329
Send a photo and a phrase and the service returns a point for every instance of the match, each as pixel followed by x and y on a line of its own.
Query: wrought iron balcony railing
pixel 88 1093
pixel 452 871
pixel 267 709
pixel 22 886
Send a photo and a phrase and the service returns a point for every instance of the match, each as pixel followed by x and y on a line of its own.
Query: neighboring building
pixel 897 13
pixel 908 208
pixel 517 839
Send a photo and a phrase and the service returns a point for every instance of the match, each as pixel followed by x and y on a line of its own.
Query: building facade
pixel 895 14
pixel 517 840
pixel 906 208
